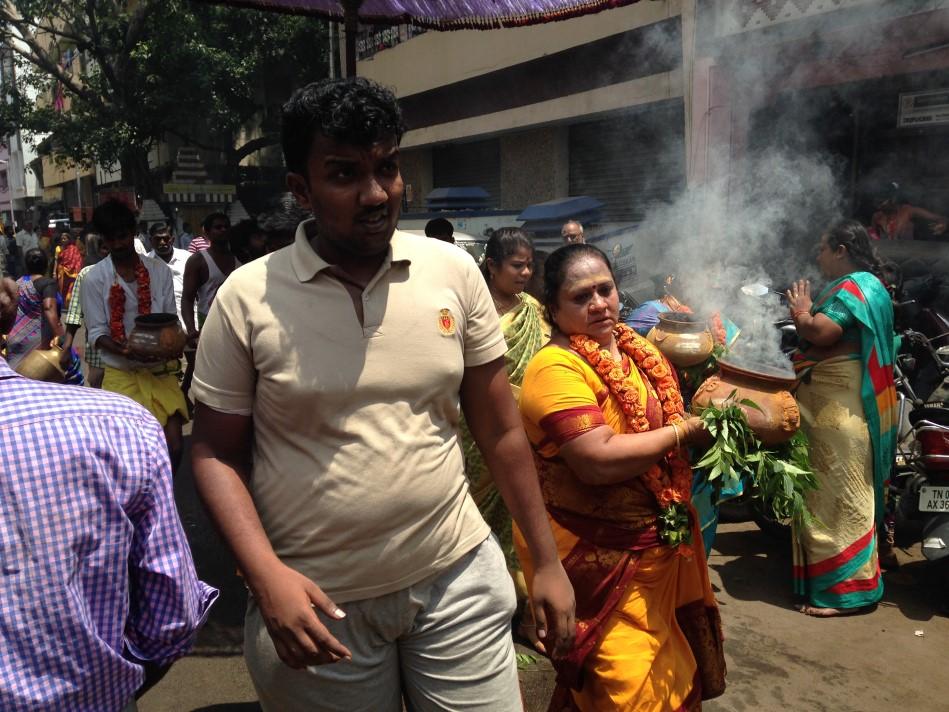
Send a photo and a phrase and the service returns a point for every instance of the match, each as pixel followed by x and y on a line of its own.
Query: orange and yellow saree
pixel 648 631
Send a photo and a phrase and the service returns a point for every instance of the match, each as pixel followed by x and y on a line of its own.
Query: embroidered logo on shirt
pixel 446 322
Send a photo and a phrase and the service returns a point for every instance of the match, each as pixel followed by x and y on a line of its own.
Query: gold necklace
pixel 502 310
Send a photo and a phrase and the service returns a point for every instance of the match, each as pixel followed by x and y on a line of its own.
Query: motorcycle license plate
pixel 934 499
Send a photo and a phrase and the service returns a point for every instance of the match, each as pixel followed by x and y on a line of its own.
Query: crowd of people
pixel 404 453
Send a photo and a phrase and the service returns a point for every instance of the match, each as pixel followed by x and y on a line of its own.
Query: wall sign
pixel 924 108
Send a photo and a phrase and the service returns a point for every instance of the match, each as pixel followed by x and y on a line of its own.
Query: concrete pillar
pixel 535 166
pixel 691 111
pixel 416 167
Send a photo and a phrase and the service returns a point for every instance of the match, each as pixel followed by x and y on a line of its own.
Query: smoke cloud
pixel 761 224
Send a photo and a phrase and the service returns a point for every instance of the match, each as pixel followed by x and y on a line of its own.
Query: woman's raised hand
pixel 799 297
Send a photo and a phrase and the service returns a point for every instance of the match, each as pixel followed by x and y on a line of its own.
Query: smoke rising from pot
pixel 761 221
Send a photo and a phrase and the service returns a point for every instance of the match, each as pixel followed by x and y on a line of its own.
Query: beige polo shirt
pixel 358 475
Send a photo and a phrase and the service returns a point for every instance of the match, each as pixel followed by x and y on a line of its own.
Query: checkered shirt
pixel 95 571
pixel 74 317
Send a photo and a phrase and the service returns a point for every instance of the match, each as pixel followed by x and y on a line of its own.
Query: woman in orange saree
pixel 604 415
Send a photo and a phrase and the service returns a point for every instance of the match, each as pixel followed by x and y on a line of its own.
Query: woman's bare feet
pixel 817 612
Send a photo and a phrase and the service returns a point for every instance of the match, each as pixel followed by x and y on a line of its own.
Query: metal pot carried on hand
pixel 157 336
pixel 683 338
pixel 43 365
pixel 778 418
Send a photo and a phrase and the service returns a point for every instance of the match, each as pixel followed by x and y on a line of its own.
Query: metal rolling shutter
pixel 477 163
pixel 630 161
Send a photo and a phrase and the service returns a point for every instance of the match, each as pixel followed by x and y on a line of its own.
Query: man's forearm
pixel 232 510
pixel 510 460
pixel 187 314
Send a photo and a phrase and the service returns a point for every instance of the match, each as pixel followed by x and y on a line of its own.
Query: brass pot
pixel 42 365
pixel 158 336
pixel 682 338
pixel 779 417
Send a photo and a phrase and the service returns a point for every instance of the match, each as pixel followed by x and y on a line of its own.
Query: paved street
pixel 777 658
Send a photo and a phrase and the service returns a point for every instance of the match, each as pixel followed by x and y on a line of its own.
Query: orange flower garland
pixel 672 484
pixel 117 302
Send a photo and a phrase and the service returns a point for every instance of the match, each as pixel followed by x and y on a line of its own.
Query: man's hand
pixel 192 342
pixel 288 603
pixel 65 356
pixel 553 602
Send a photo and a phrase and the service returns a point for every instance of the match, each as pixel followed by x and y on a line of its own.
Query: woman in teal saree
pixel 848 411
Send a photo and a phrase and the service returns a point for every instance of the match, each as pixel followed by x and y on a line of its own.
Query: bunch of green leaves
pixel 781 476
pixel 525 661
pixel 674 526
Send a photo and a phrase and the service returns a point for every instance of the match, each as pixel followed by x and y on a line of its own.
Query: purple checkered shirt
pixel 95 570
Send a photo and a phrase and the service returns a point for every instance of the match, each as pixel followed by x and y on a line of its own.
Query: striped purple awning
pixel 443 14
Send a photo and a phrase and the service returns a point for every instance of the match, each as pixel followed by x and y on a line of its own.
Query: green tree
pixel 133 73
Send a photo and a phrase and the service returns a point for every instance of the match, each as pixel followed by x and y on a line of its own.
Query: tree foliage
pixel 133 73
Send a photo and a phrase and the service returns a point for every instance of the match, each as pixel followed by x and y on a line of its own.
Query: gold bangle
pixel 675 429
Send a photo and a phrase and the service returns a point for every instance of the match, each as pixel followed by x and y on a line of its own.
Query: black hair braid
pixel 854 237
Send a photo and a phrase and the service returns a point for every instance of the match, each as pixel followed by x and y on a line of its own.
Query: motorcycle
pixel 919 486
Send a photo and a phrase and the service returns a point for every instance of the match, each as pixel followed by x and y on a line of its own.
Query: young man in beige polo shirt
pixel 328 383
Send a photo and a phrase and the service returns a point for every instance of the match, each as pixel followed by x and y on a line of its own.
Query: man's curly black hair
pixel 113 219
pixel 355 110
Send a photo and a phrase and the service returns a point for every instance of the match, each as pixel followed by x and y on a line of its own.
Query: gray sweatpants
pixel 444 643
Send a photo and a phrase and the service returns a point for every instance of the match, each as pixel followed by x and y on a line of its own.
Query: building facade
pixel 571 101
pixel 21 189
pixel 634 104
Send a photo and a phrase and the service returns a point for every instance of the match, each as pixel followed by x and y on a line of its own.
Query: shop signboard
pixel 924 108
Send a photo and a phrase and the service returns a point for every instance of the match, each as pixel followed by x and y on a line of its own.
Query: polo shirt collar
pixel 307 263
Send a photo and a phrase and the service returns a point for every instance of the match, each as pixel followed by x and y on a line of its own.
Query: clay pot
pixel 158 336
pixel 42 365
pixel 682 338
pixel 779 417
